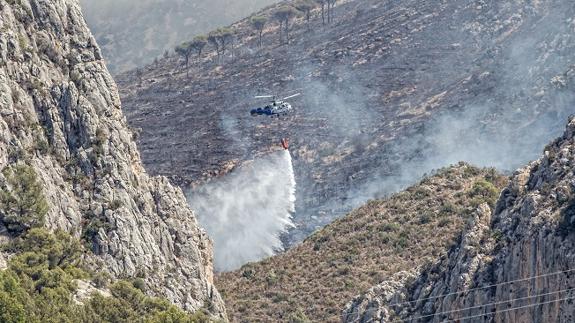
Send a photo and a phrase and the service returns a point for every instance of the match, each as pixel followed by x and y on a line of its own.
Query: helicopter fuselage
pixel 276 108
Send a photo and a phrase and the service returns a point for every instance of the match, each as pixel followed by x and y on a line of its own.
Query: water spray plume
pixel 246 212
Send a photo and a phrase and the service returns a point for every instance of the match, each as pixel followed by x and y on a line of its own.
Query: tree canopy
pixel 220 39
pixel 283 15
pixel 184 50
pixel 22 202
pixel 41 280
pixel 258 23
pixel 198 44
pixel 305 6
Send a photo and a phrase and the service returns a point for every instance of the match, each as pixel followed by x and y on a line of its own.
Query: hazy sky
pixel 132 33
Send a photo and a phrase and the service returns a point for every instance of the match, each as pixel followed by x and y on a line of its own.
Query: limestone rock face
pixel 60 114
pixel 529 240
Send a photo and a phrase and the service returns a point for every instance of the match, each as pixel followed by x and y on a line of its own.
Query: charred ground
pixel 377 84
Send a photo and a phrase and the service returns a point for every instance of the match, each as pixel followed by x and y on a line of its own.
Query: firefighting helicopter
pixel 276 108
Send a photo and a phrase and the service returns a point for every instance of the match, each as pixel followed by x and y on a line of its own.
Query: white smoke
pixel 246 212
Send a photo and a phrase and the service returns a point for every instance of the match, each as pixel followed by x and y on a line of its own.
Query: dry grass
pixel 318 277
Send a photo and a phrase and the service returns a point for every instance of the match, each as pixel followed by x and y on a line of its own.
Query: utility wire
pixel 511 309
pixel 491 304
pixel 484 287
pixel 494 312
pixel 476 289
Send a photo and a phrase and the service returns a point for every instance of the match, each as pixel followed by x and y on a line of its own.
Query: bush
pixel 11 310
pixel 101 279
pixel 483 192
pixel 38 286
pixel 22 202
pixel 42 146
pixel 248 272
pixel 298 317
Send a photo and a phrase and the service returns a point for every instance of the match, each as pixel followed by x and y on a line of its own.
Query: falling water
pixel 246 212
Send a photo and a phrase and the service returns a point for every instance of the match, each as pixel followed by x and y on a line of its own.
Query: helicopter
pixel 276 108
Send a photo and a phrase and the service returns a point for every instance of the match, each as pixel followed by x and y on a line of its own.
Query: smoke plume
pixel 246 212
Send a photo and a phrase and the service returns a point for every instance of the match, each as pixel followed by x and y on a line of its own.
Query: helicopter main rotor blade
pixel 292 96
pixel 263 96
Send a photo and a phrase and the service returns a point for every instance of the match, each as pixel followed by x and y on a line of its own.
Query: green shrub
pixel 298 317
pixel 483 192
pixel 140 284
pixel 470 171
pixel 248 272
pixel 272 278
pixel 42 146
pixel 444 222
pixel 390 227
pixel 425 218
pixel 115 204
pixel 38 286
pixel 22 202
pixel 11 310
pixel 101 279
pixel 448 209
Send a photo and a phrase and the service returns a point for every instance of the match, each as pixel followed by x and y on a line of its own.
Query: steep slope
pixel 61 125
pixel 384 237
pixel 513 266
pixel 391 90
pixel 134 32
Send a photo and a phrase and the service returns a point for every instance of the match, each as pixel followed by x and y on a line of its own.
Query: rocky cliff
pixel 61 119
pixel 515 265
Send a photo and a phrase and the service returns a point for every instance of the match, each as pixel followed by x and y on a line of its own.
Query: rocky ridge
pixel 528 240
pixel 318 277
pixel 60 115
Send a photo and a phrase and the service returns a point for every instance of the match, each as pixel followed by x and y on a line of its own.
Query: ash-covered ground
pixel 390 90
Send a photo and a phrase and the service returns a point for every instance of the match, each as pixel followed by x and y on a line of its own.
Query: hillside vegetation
pixel 317 278
pixel 41 284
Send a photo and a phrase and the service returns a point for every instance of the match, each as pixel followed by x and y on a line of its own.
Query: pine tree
pixel 185 50
pixel 305 6
pixel 22 202
pixel 198 44
pixel 258 23
pixel 283 15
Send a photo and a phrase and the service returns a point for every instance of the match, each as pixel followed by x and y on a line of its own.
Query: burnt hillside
pixel 391 90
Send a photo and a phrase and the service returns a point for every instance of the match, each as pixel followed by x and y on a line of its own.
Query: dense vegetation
pixel 40 284
pixel 315 280
pixel 22 204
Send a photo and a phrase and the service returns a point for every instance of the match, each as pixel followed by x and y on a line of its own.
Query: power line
pixel 494 303
pixel 511 309
pixel 476 289
pixel 481 288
